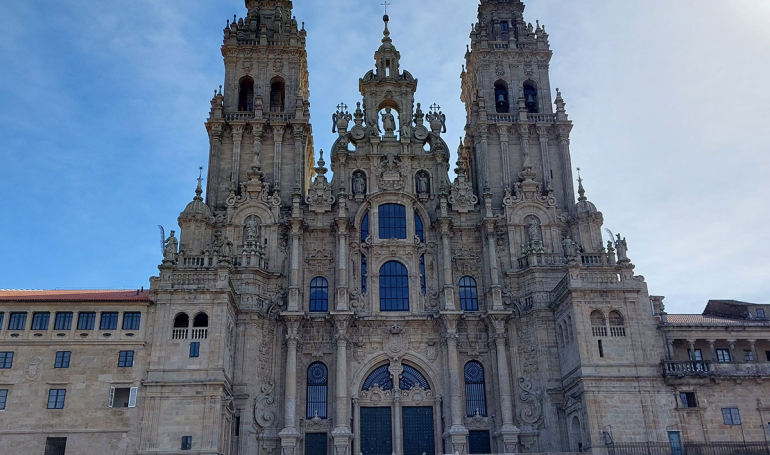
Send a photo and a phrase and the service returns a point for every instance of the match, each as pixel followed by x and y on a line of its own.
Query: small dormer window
pixel 760 313
pixel 504 26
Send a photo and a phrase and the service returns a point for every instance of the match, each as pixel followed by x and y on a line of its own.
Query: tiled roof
pixel 699 319
pixel 66 296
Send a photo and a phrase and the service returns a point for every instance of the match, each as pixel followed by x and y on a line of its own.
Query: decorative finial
pixel 321 170
pixel 581 190
pixel 199 189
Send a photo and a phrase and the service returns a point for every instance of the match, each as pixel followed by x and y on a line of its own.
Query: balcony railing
pixel 690 448
pixel 687 368
pixel 710 368
pixel 179 334
pixel 199 334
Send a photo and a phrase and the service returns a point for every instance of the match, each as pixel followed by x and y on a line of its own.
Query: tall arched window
pixel 617 324
pixel 364 228
pixel 277 95
pixel 419 231
pixel 598 324
pixel 394 287
pixel 392 218
pixel 317 390
pixel 319 294
pixel 530 97
pixel 475 391
pixel 502 105
pixel 246 94
pixel 468 294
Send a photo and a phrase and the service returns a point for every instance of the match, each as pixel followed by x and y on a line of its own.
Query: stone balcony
pixel 709 369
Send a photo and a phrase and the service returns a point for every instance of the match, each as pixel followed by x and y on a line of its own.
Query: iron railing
pixel 690 448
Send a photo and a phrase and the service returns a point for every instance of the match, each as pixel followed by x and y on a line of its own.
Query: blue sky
pixel 102 107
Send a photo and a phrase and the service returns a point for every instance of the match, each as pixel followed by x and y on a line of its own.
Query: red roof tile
pixel 66 296
pixel 699 319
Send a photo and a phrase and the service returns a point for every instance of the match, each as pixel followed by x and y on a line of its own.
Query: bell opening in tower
pixel 277 95
pixel 246 95
pixel 501 97
pixel 530 97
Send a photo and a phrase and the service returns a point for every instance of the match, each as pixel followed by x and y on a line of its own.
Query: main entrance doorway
pixel 376 431
pixel 418 431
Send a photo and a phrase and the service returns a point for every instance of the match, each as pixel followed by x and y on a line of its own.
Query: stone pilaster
pixel 508 432
pixel 289 434
pixel 446 252
pixel 341 433
pixel 237 129
pixel 457 435
pixel 278 139
pixel 542 133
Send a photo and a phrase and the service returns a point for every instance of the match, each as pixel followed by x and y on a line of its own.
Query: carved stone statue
pixel 252 230
pixel 622 247
pixel 570 248
pixel 423 183
pixel 359 183
pixel 388 122
pixel 374 129
pixel 171 246
pixel 533 230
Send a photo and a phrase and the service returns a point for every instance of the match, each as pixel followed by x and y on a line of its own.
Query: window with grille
pixel 478 442
pixel 17 321
pixel 394 287
pixel 363 274
pixel 475 390
pixel 364 228
pixel 317 390
pixel 62 359
pixel 132 321
pixel 55 446
pixel 319 295
pixel 723 355
pixel 195 349
pixel 410 377
pixel 63 321
pixel 56 398
pixel 40 321
pixel 109 321
pixel 419 231
pixel 392 218
pixel 423 286
pixel 468 294
pixel 3 398
pixel 6 360
pixel 126 359
pixel 731 416
pixel 86 321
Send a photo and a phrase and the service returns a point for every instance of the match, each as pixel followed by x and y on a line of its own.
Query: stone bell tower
pixel 259 126
pixel 507 94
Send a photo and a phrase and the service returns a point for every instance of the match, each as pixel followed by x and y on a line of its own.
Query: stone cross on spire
pixel 386 4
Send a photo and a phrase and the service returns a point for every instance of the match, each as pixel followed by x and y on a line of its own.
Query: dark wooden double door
pixel 417 431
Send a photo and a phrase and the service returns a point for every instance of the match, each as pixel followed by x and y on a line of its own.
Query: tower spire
pixel 581 190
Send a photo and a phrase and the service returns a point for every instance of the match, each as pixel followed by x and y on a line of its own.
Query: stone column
pixel 542 132
pixel 713 350
pixel 566 164
pixel 457 434
pixel 508 432
pixel 215 152
pixel 341 432
pixel 691 354
pixel 396 370
pixel 256 133
pixel 483 153
pixel 294 273
pixel 505 155
pixel 237 129
pixel 524 140
pixel 342 265
pixel 289 435
pixel 301 156
pixel 496 289
pixel 753 346
pixel 733 357
pixel 446 251
pixel 356 426
pixel 670 349
pixel 278 138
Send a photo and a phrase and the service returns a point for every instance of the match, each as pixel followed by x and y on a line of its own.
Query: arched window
pixel 246 94
pixel 468 294
pixel 201 320
pixel 502 105
pixel 277 95
pixel 418 229
pixel 363 274
pixel 597 318
pixel 365 228
pixel 317 390
pixel 617 324
pixel 423 286
pixel 411 378
pixel 392 218
pixel 530 97
pixel 475 391
pixel 319 294
pixel 394 287
pixel 381 377
pixel 181 321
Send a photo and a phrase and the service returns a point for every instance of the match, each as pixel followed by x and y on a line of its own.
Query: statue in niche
pixel 359 183
pixel 533 230
pixel 252 229
pixel 388 121
pixel 170 248
pixel 423 183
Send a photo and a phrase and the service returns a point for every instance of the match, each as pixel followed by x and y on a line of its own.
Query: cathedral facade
pixel 391 309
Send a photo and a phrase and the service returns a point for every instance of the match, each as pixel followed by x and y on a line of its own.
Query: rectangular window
pixel 124 397
pixel 731 416
pixel 748 356
pixel 760 313
pixel 86 321
pixel 63 321
pixel 6 360
pixel 55 446
pixel 109 321
pixel 601 349
pixel 195 349
pixel 17 321
pixel 688 399
pixel 62 359
pixel 131 321
pixel 695 355
pixel 723 355
pixel 56 398
pixel 504 26
pixel 392 220
pixel 3 398
pixel 40 321
pixel 186 442
pixel 2 316
pixel 126 359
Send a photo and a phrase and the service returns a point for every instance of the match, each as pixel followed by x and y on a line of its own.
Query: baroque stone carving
pixel 320 198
